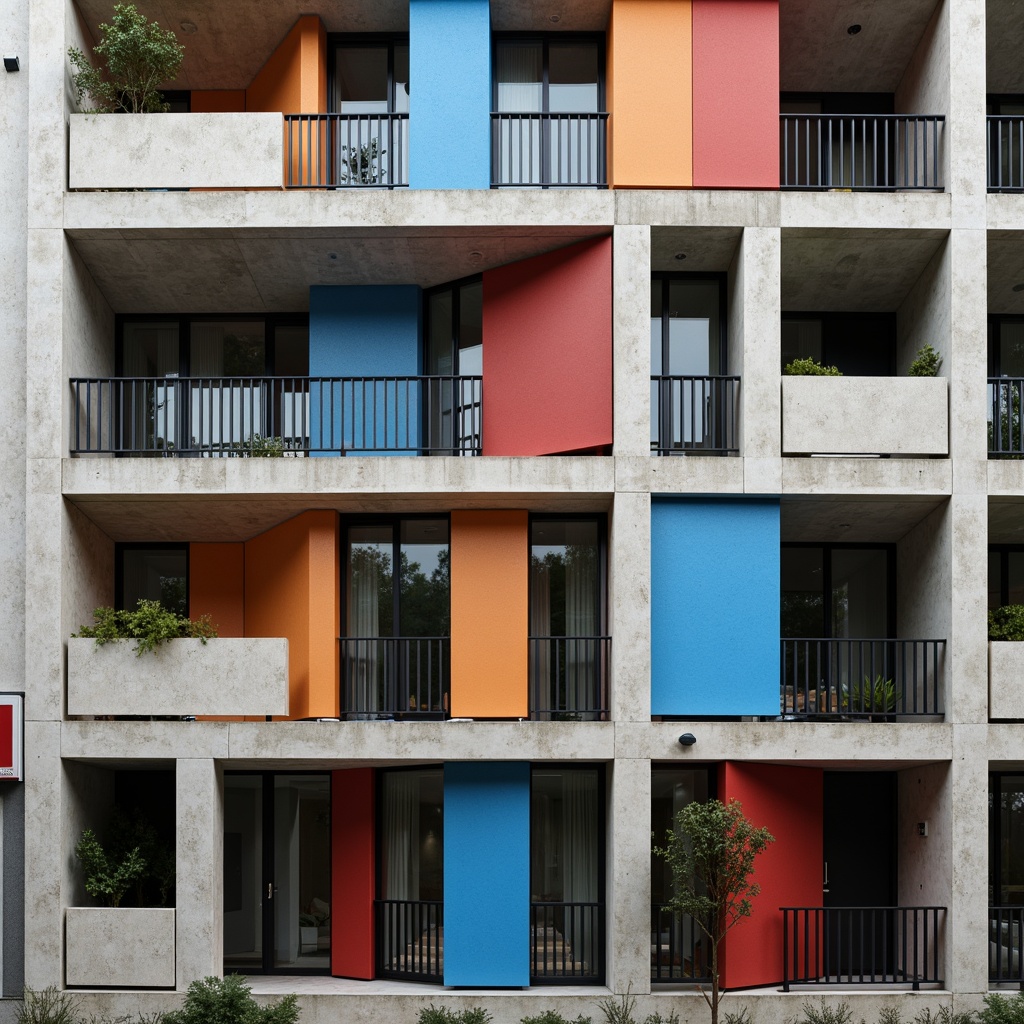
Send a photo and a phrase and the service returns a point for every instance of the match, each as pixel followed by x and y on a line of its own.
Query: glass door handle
pixel 270 890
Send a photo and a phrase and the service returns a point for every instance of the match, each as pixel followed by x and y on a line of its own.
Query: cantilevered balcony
pixel 395 677
pixel 346 150
pixel 206 417
pixel 876 152
pixel 549 150
pixel 568 677
pixel 697 415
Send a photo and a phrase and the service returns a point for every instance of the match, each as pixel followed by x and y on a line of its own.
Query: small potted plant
pixel 878 699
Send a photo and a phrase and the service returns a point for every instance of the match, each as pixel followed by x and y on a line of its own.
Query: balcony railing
pixel 242 416
pixel 879 679
pixel 1004 428
pixel 679 949
pixel 568 676
pixel 694 414
pixel 549 150
pixel 1005 928
pixel 346 150
pixel 410 939
pixel 392 677
pixel 567 941
pixel 876 152
pixel 862 945
pixel 1005 153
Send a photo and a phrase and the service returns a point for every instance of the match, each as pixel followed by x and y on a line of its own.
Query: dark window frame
pixel 545 39
pixel 722 277
pixel 367 40
pixel 995 837
pixel 1004 551
pixel 122 546
pixel 455 288
pixel 829 316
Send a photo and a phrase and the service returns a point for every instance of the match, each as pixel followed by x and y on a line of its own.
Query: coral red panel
pixel 735 93
pixel 548 352
pixel 788 802
pixel 353 863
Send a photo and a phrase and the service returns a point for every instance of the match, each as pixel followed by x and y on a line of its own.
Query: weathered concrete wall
pixel 119 947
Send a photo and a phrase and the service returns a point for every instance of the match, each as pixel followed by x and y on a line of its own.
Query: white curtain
pixel 581 622
pixel 364 621
pixel 520 90
pixel 150 350
pixel 579 856
pixel 401 851
pixel 540 625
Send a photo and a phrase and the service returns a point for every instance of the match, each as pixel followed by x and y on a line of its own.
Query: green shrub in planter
pixel 108 878
pixel 554 1017
pixel 926 363
pixel 1000 1009
pixel 442 1015
pixel 149 625
pixel 1006 623
pixel 229 1001
pixel 810 367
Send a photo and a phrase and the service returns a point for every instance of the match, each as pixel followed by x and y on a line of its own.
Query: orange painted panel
pixel 489 606
pixel 650 94
pixel 291 590
pixel 217 101
pixel 216 585
pixel 353 867
pixel 788 802
pixel 735 93
pixel 547 327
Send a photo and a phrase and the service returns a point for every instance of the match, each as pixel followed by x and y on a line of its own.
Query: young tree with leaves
pixel 711 852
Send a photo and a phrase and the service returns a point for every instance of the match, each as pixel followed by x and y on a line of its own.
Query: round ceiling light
pixel 189 27
pixel 853 30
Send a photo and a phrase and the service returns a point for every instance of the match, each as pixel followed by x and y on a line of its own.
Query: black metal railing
pixel 241 416
pixel 1005 153
pixel 568 677
pixel 694 414
pixel 567 941
pixel 1005 438
pixel 679 947
pixel 549 150
pixel 1005 928
pixel 410 939
pixel 392 677
pixel 859 678
pixel 862 945
pixel 878 151
pixel 346 150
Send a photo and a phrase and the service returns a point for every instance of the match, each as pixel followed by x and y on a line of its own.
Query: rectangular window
pixel 858 344
pixel 151 572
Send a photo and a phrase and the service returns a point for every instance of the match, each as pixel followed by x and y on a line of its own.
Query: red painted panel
pixel 6 736
pixel 788 802
pixel 735 93
pixel 548 352
pixel 353 864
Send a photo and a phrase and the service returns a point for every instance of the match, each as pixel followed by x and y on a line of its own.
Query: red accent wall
pixel 353 864
pixel 548 352
pixel 216 586
pixel 788 802
pixel 735 93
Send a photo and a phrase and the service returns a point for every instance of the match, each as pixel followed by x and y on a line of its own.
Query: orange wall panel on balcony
pixel 353 867
pixel 547 328
pixel 292 590
pixel 217 101
pixel 788 802
pixel 735 94
pixel 489 613
pixel 216 585
pixel 650 94
pixel 294 78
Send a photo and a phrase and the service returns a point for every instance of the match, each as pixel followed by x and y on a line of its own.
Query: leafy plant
pixel 50 1006
pixel 360 164
pixel 107 878
pixel 621 1012
pixel 135 57
pixel 926 364
pixel 229 1001
pixel 711 853
pixel 259 447
pixel 878 697
pixel 890 1015
pixel 944 1015
pixel 149 626
pixel 136 831
pixel 1006 623
pixel 742 1017
pixel 825 1014
pixel 553 1017
pixel 810 367
pixel 1000 1009
pixel 442 1015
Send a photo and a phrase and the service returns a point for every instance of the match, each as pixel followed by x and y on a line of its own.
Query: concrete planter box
pixel 119 947
pixel 129 151
pixel 1005 679
pixel 865 415
pixel 225 676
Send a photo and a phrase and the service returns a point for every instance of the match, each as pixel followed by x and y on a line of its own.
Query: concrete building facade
pixel 509 288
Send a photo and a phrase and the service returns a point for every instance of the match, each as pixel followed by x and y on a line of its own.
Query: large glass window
pixel 396 647
pixel 859 344
pixel 1005 575
pixel 152 572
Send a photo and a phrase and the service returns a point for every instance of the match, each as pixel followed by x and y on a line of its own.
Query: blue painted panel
pixel 449 94
pixel 372 331
pixel 715 593
pixel 487 874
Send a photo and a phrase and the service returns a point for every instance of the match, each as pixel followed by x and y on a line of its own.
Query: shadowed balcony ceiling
pixel 1005 272
pixel 1004 31
pixel 219 55
pixel 855 271
pixel 271 271
pixel 818 54
pixel 705 249
pixel 854 518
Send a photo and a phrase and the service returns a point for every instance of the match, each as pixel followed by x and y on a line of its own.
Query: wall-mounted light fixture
pixel 687 739
pixel 11 62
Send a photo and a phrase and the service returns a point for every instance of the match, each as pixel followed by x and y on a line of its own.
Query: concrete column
pixel 631 344
pixel 199 794
pixel 967 658
pixel 629 612
pixel 629 884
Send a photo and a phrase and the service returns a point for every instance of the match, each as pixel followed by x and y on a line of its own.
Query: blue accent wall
pixel 715 593
pixel 372 331
pixel 449 94
pixel 487 874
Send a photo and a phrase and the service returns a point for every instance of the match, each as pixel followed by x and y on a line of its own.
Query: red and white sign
pixel 12 719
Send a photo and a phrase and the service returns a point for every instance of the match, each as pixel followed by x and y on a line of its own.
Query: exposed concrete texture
pixel 631 332
pixel 176 151
pixel 923 316
pixel 119 947
pixel 856 415
pixel 1005 672
pixel 629 600
pixel 181 677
